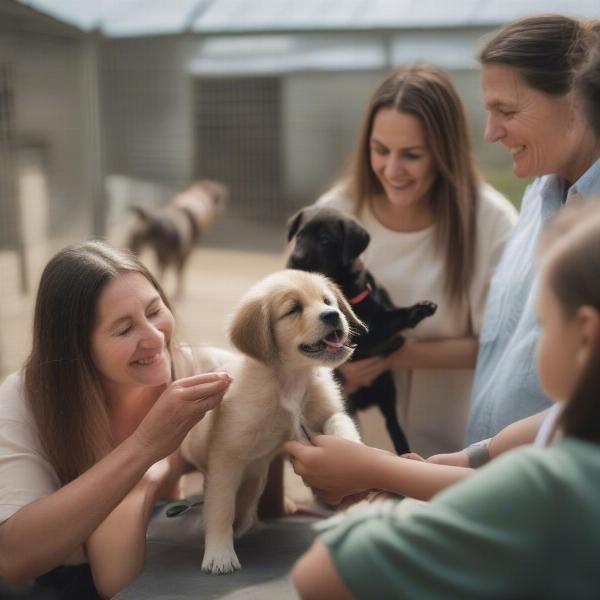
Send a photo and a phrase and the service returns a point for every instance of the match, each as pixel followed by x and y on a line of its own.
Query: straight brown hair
pixel 427 93
pixel 62 385
pixel 587 85
pixel 546 50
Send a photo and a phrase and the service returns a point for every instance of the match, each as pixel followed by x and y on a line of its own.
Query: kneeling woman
pixel 84 451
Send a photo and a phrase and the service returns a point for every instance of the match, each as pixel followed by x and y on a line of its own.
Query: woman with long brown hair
pixel 437 231
pixel 91 426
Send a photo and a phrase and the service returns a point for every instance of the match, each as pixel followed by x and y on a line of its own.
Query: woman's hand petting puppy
pixel 178 409
pixel 324 467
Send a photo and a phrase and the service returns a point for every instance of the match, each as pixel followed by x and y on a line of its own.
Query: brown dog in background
pixel 172 230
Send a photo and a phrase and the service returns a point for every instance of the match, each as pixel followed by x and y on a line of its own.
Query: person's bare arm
pixel 117 547
pixel 316 578
pixel 516 434
pixel 338 468
pixel 43 534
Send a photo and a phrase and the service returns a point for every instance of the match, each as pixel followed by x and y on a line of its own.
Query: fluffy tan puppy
pixel 292 328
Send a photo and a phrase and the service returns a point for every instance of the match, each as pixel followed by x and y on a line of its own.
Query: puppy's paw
pixel 220 560
pixel 341 425
pixel 421 311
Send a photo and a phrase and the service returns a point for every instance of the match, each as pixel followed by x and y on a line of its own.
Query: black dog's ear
pixel 356 239
pixel 294 224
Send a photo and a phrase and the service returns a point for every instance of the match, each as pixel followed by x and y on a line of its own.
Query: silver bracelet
pixel 478 453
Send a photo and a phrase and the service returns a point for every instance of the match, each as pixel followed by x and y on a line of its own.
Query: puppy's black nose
pixel 330 317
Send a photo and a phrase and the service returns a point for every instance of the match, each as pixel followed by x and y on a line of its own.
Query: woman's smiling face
pixel 400 157
pixel 537 128
pixel 130 338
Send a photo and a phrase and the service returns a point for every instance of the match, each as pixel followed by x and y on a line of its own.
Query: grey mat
pixel 174 555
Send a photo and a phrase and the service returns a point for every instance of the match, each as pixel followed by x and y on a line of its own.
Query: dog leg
pixel 248 497
pixel 224 479
pixel 392 321
pixel 179 267
pixel 384 389
pixel 420 311
pixel 341 425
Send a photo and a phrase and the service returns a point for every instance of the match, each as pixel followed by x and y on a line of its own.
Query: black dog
pixel 328 241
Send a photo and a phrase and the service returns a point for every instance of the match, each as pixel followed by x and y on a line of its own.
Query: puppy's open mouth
pixel 331 342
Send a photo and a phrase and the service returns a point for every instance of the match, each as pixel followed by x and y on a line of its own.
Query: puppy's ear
pixel 250 330
pixel 294 223
pixel 356 239
pixel 355 323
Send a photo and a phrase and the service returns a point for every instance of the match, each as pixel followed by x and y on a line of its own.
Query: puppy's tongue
pixel 333 340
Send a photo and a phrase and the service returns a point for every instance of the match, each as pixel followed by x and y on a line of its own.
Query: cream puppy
pixel 292 328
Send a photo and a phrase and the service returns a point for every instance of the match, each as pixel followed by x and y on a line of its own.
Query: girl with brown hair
pixel 437 232
pixel 91 426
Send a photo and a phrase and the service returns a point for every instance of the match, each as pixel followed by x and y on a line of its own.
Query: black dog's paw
pixel 421 311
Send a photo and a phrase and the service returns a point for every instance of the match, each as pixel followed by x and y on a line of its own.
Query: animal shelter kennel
pixel 104 105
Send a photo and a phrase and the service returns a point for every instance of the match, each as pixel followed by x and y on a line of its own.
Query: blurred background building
pixel 108 103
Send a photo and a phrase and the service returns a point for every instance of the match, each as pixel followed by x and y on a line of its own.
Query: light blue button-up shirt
pixel 506 386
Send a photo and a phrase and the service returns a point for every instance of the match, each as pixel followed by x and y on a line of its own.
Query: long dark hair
pixel 62 384
pixel 427 93
pixel 570 246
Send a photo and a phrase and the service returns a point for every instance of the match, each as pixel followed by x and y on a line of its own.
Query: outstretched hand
pixel 178 409
pixel 334 467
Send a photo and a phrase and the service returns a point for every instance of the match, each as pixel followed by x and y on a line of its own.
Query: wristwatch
pixel 478 453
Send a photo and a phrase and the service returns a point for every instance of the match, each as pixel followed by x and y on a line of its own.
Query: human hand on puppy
pixel 361 373
pixel 183 403
pixel 334 467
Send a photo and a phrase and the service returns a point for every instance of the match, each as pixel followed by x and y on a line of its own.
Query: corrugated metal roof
pixel 154 17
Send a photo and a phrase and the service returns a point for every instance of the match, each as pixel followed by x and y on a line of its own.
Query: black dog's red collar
pixel 360 297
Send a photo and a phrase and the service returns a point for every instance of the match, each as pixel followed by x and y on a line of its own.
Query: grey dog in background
pixel 172 230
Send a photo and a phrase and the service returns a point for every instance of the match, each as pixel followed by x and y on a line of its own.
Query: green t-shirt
pixel 525 526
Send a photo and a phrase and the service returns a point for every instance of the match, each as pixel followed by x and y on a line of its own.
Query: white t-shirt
pixel 433 405
pixel 25 473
